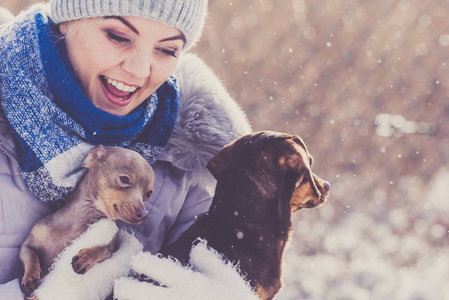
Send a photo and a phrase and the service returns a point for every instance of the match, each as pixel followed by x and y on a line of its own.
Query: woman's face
pixel 121 61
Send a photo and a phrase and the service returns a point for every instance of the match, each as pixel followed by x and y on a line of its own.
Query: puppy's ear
pixel 217 163
pixel 96 154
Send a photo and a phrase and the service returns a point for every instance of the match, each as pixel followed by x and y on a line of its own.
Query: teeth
pixel 121 86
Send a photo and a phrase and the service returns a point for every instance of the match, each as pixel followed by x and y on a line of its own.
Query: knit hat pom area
pixel 186 15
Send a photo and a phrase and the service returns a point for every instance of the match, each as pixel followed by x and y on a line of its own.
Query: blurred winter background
pixel 365 83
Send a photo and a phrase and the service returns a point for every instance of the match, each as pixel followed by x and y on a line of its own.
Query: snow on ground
pixel 356 256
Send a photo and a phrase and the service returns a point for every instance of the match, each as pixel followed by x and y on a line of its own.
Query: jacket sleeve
pixel 197 202
pixel 10 290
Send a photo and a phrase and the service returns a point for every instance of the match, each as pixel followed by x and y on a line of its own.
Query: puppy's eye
pixel 124 179
pixel 148 194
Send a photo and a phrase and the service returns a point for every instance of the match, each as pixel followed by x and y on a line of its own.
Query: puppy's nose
pixel 141 214
pixel 327 186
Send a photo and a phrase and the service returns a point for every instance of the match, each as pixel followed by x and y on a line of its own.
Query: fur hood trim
pixel 208 118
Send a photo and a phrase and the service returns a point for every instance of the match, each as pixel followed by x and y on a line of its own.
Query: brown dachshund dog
pixel 262 178
pixel 115 186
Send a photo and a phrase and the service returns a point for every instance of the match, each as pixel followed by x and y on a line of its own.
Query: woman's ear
pixel 69 27
pixel 64 27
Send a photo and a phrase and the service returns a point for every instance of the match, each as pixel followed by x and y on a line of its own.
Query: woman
pixel 75 74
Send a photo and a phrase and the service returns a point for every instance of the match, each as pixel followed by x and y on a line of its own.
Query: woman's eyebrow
pixel 126 23
pixel 176 37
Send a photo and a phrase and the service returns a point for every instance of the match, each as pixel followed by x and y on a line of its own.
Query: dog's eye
pixel 124 179
pixel 148 194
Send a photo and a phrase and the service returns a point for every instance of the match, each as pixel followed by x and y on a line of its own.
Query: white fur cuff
pixel 63 283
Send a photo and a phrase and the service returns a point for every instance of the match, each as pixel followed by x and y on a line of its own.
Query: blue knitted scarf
pixel 54 123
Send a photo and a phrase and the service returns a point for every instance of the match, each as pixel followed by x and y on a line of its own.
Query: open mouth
pixel 118 90
pixel 123 212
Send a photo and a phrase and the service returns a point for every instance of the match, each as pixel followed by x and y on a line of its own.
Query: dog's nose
pixel 141 214
pixel 327 186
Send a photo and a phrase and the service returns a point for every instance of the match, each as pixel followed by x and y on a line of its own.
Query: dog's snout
pixel 141 214
pixel 327 186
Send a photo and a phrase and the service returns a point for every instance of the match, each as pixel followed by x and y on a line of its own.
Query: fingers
pixel 128 288
pixel 213 278
pixel 209 262
pixel 169 272
pixel 218 268
pixel 164 270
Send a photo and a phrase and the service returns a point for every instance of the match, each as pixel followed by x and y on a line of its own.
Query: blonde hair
pixel 69 28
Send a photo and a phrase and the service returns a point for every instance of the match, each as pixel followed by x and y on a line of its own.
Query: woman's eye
pixel 117 38
pixel 168 52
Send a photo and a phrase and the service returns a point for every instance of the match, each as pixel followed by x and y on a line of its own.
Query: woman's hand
pixel 210 277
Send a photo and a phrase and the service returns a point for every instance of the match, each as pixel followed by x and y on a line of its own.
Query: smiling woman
pixel 115 56
pixel 76 74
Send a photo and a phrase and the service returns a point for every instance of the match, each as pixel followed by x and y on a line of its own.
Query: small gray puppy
pixel 115 186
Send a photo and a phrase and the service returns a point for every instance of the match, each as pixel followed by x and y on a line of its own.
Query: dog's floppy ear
pixel 293 157
pixel 95 154
pixel 297 159
pixel 217 163
pixel 291 162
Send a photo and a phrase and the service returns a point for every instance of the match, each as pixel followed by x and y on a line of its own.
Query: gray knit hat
pixel 186 15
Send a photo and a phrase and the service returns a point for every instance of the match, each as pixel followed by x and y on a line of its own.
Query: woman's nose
pixel 139 66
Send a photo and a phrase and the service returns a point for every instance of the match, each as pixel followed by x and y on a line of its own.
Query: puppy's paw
pixel 82 262
pixel 31 280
